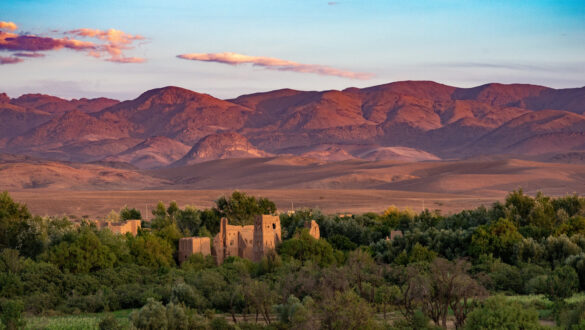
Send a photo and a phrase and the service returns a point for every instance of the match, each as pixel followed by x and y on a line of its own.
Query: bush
pixel 307 248
pixel 151 316
pixel 498 313
pixel 109 323
pixel 562 283
pixel 11 315
pixel 185 294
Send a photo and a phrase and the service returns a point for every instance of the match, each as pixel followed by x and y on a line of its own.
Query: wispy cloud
pixel 10 26
pixel 116 42
pixel 111 43
pixel 9 60
pixel 333 3
pixel 27 54
pixel 272 63
pixel 16 42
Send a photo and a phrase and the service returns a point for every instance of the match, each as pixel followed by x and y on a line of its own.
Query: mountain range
pixel 402 121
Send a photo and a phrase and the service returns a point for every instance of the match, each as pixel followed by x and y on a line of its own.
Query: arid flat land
pixel 100 203
pixel 53 188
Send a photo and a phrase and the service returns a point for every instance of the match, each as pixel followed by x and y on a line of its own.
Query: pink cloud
pixel 9 60
pixel 10 26
pixel 116 42
pixel 27 54
pixel 272 63
pixel 112 43
pixel 16 42
pixel 126 60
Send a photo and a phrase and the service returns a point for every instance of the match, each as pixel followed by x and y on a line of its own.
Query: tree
pixel 18 229
pixel 519 207
pixel 305 247
pixel 109 323
pixel 361 268
pixel 296 314
pixel 386 295
pixel 562 283
pixel 151 316
pixel 11 315
pixel 130 214
pixel 346 310
pixel 84 254
pixel 499 313
pixel 498 238
pixel 182 293
pixel 151 251
pixel 447 285
pixel 177 319
pixel 113 216
pixel 189 221
pixel 259 295
pixel 242 209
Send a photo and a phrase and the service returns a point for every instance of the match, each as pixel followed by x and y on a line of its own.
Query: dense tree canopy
pixel 442 267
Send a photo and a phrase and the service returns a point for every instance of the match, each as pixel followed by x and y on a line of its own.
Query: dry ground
pixel 100 203
pixel 52 188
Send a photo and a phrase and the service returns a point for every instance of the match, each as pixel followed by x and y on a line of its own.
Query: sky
pixel 121 48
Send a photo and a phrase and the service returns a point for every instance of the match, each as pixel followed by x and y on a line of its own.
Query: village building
pixel 251 242
pixel 267 234
pixel 191 245
pixel 313 229
pixel 129 226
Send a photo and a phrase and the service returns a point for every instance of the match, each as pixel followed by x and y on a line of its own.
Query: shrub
pixel 11 315
pixel 109 323
pixel 151 316
pixel 498 313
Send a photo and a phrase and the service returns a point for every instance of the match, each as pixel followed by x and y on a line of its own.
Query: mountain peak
pixel 171 95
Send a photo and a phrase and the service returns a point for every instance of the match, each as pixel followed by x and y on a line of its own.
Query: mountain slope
pixel 153 152
pixel 221 146
pixel 427 118
pixel 177 113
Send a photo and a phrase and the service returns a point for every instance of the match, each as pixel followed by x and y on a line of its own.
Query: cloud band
pixel 272 63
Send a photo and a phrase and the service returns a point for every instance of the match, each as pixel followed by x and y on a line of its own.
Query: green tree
pixel 498 238
pixel 242 209
pixel 189 221
pixel 152 316
pixel 177 318
pixel 305 247
pixel 109 323
pixel 296 314
pixel 84 254
pixel 562 283
pixel 130 214
pixel 499 313
pixel 386 295
pixel 519 207
pixel 18 229
pixel 11 315
pixel 346 310
pixel 151 251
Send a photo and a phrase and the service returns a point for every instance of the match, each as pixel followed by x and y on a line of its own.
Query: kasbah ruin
pixel 251 242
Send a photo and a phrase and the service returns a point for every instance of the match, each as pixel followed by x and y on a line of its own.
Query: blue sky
pixel 461 43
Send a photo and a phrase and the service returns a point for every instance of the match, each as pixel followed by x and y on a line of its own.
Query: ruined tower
pixel 267 235
pixel 313 228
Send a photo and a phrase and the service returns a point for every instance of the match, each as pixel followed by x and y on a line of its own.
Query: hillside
pixel 406 121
